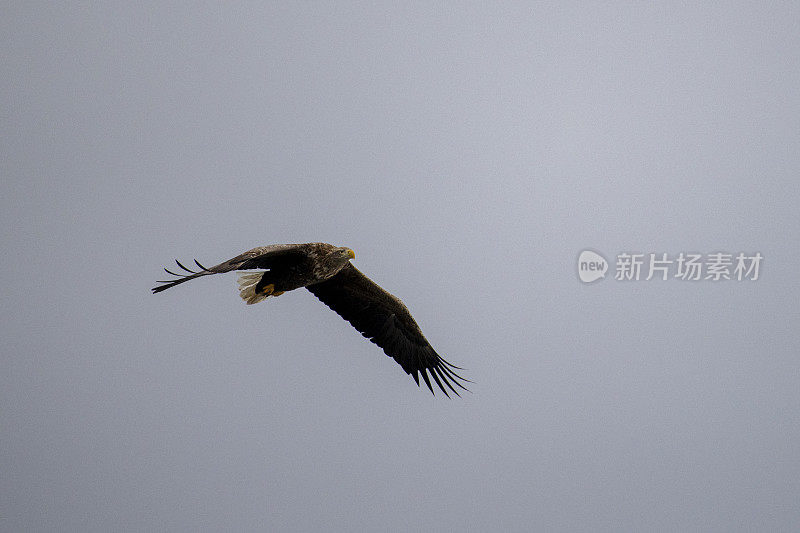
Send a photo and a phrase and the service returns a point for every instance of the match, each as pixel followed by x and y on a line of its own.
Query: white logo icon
pixel 591 266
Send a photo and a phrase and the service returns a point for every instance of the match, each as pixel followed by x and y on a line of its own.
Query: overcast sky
pixel 467 153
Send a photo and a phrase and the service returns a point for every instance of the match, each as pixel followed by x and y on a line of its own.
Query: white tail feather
pixel 247 288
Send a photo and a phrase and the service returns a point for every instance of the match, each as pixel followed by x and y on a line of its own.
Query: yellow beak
pixel 351 254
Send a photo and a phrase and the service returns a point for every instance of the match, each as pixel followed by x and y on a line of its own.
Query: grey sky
pixel 467 154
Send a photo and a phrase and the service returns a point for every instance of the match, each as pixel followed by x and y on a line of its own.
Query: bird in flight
pixel 326 271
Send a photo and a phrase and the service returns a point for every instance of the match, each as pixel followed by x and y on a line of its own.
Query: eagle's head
pixel 345 253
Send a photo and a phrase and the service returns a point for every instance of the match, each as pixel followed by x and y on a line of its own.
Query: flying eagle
pixel 326 271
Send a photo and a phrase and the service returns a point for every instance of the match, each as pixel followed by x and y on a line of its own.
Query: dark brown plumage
pixel 326 271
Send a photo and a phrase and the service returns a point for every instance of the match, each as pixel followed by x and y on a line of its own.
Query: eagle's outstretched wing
pixel 385 320
pixel 257 258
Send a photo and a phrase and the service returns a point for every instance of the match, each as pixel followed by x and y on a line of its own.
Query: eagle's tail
pixel 247 288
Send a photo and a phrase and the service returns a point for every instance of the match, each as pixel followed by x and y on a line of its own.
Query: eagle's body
pixel 325 270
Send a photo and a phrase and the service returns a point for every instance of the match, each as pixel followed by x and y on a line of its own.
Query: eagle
pixel 326 271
